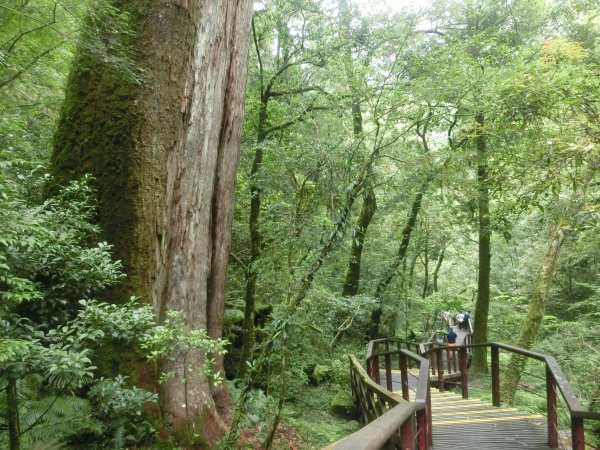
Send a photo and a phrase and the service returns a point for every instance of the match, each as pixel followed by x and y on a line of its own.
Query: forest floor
pixel 306 423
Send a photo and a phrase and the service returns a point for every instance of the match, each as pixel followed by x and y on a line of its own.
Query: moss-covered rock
pixel 342 405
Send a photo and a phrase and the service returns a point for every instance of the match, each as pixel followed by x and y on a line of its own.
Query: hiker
pixel 460 317
pixel 451 337
pixel 466 324
pixel 446 317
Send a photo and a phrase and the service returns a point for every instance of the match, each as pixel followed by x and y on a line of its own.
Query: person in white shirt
pixel 460 317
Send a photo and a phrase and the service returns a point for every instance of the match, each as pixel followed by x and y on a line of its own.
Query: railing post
pixel 455 360
pixel 404 376
pixel 551 409
pixel 407 431
pixel 429 417
pixel 495 376
pixel 388 372
pixel 432 362
pixel 440 368
pixel 374 369
pixel 422 436
pixel 464 374
pixel 400 354
pixel 577 433
pixel 388 367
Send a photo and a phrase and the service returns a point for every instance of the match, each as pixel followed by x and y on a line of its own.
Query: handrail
pixel 376 434
pixel 573 403
pixel 389 423
pixel 555 378
pixel 389 418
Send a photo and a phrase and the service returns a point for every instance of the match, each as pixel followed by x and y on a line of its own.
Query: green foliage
pixel 506 313
pixel 120 410
pixel 311 415
pixel 532 71
pixel 44 247
pixel 51 327
pixel 171 340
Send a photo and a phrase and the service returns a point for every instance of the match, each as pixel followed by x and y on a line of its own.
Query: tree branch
pixel 296 119
pixel 20 72
pixel 25 33
pixel 299 91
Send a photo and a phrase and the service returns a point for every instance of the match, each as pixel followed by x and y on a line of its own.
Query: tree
pixel 163 145
pixel 369 204
pixel 490 41
pixel 288 92
pixel 564 105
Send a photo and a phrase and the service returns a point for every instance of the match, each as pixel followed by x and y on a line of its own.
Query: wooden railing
pixel 556 383
pixel 446 360
pixel 391 421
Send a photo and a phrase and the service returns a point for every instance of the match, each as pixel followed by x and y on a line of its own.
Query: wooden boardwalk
pixel 474 424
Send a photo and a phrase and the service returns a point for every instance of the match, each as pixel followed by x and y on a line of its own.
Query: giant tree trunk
pixel 535 313
pixel 482 306
pixel 164 150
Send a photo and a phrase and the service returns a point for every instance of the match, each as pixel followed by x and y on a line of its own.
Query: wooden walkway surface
pixel 474 424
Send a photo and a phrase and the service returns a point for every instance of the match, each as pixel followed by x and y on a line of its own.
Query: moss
pixel 311 416
pixel 321 373
pixel 342 405
pixel 96 135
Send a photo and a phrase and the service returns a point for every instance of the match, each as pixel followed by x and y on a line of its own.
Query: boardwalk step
pixel 476 424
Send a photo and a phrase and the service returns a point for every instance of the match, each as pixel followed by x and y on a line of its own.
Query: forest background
pixel 392 166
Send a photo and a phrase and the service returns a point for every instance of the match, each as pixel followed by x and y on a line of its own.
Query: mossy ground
pixel 311 417
pixel 306 423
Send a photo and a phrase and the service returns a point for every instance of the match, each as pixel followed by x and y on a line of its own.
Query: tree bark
pixel 438 266
pixel 482 305
pixel 367 211
pixel 164 150
pixel 535 313
pixel 426 271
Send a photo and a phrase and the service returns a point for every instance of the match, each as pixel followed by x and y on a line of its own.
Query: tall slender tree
pixel 277 81
pixel 369 203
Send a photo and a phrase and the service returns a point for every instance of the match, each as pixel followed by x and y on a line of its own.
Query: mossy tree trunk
pixel 535 313
pixel 164 149
pixel 482 305
pixel 438 266
pixel 373 330
pixel 367 211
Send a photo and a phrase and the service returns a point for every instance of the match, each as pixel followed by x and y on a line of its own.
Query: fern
pixel 56 419
pixel 119 440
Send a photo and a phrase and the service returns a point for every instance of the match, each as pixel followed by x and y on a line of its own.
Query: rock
pixel 342 405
